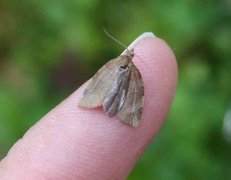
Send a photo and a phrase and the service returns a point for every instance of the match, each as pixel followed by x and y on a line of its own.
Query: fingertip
pixel 73 143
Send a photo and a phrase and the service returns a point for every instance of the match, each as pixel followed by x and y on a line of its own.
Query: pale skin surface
pixel 74 143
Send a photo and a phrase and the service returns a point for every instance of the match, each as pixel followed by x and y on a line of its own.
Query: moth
pixel 118 88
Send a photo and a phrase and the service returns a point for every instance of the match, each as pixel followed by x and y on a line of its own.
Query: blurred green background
pixel 48 48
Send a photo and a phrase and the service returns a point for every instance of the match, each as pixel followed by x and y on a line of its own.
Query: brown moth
pixel 118 88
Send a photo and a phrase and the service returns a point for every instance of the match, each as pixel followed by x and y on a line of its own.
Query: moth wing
pixel 132 108
pixel 100 83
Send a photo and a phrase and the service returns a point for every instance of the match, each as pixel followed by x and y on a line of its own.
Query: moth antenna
pixel 122 44
pixel 117 41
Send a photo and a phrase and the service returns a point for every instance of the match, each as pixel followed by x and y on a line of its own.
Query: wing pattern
pixel 133 105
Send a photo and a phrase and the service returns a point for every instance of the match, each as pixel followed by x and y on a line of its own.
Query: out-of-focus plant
pixel 47 49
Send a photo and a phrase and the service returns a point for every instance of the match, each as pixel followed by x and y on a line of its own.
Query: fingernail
pixel 139 39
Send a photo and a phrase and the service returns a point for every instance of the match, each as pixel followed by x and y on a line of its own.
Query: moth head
pixel 130 53
pixel 124 62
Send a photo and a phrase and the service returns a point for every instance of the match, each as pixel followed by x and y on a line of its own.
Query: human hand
pixel 73 143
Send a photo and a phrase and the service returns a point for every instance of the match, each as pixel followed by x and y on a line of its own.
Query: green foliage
pixel 45 45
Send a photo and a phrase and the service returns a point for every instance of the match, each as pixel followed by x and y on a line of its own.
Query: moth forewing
pixel 133 106
pixel 99 85
pixel 115 98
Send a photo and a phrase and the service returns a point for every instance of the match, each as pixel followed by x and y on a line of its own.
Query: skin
pixel 74 143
